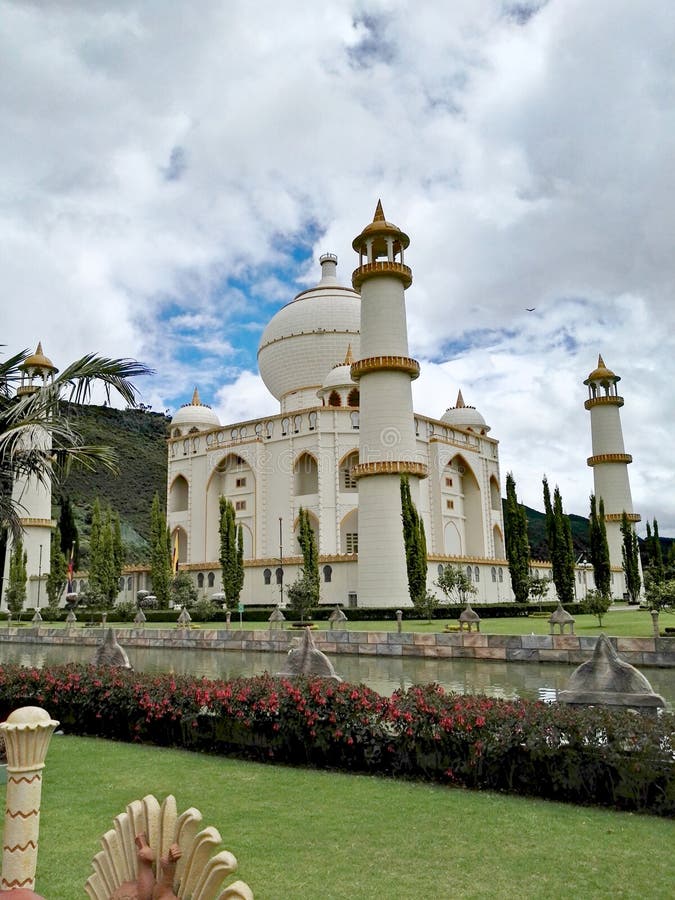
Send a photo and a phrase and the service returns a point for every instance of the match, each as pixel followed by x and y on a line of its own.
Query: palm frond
pixel 114 374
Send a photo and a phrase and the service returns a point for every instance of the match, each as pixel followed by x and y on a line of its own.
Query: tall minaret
pixel 387 446
pixel 31 497
pixel 609 461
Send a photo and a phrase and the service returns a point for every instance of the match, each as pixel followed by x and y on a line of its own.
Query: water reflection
pixel 383 674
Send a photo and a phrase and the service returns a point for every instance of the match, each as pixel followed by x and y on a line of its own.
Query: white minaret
pixel 609 461
pixel 387 446
pixel 31 497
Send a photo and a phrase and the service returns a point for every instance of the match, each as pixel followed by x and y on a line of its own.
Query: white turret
pixel 387 433
pixel 609 460
pixel 32 497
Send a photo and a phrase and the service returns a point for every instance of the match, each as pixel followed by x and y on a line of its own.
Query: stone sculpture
pixel 153 853
pixel 608 680
pixel 306 659
pixel 468 618
pixel 337 618
pixel 277 618
pixel 184 619
pixel 561 618
pixel 109 653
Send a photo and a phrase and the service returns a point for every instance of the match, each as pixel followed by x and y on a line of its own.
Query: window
pixel 267 575
pixel 258 429
pixel 234 434
pixel 500 572
pixel 129 583
pixel 211 579
pixel 284 426
pixel 312 421
pixel 440 569
pixel 242 431
pixel 280 575
pixel 494 574
pixel 450 504
pixel 355 420
pixel 334 399
pixel 269 429
pixel 327 574
pixel 297 423
pixel 352 542
pixel 240 482
pixel 448 482
pixel 349 482
pixel 240 505
pixel 468 572
pixel 476 574
pixel 353 397
pixel 120 584
pixel 200 580
pixel 352 600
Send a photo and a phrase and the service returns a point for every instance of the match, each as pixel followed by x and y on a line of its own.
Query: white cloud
pixel 150 155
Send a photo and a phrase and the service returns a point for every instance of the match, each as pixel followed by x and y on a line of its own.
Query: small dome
pixel 462 416
pixel 195 415
pixel 602 373
pixel 340 376
pixel 38 361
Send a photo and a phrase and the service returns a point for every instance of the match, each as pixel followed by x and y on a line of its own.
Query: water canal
pixel 384 674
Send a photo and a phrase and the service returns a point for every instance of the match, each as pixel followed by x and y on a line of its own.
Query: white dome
pixel 461 416
pixel 339 376
pixel 309 334
pixel 195 415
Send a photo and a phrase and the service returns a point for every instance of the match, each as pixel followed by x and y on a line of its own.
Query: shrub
pixel 607 757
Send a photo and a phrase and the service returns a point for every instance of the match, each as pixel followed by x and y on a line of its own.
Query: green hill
pixel 139 438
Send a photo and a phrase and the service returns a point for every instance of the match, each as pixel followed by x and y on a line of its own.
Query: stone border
pixel 560 648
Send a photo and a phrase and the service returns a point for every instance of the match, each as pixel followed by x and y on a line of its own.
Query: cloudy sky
pixel 170 172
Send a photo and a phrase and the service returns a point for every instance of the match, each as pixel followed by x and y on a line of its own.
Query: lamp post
pixel 281 565
pixel 39 577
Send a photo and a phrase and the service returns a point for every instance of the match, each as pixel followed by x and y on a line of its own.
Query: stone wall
pixel 565 648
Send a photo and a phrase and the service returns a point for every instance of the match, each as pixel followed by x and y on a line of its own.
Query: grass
pixel 308 834
pixel 616 623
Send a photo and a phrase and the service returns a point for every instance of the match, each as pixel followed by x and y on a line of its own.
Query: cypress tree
pixel 18 576
pixel 599 547
pixel 310 553
pixel 414 541
pixel 231 553
pixel 659 568
pixel 160 554
pixel 561 548
pixel 631 559
pixel 517 544
pixel 70 538
pixel 58 569
pixel 95 541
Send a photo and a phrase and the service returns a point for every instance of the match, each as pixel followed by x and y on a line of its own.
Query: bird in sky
pixel 530 308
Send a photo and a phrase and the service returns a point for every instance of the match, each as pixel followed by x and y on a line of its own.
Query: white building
pixel 337 362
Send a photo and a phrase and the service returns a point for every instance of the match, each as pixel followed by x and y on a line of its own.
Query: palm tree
pixel 27 414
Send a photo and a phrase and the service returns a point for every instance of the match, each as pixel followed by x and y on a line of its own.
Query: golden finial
pixel 460 401
pixel 379 213
pixel 349 357
pixel 601 362
pixel 195 398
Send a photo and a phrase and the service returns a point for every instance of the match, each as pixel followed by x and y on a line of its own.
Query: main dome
pixel 308 336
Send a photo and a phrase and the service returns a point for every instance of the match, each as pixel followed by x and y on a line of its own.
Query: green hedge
pixel 597 756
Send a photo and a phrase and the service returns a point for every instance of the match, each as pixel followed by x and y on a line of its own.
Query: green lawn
pixel 308 834
pixel 619 622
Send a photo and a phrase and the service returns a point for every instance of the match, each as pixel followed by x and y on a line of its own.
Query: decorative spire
pixel 601 362
pixel 195 398
pixel 460 401
pixel 349 357
pixel 379 213
pixel 39 352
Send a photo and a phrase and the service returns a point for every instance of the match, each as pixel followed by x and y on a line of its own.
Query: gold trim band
pixel 603 401
pixel 390 467
pixel 383 267
pixel 380 363
pixel 617 517
pixel 40 523
pixel 609 458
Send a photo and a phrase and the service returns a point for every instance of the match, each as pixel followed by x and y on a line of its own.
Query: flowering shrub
pixel 596 755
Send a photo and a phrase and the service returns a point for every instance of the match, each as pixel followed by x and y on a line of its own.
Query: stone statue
pixel 305 659
pixel 109 653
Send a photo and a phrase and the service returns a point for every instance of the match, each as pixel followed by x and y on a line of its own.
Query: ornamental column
pixel 609 460
pixel 387 443
pixel 27 733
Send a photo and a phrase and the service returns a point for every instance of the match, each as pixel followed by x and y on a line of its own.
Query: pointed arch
pixel 498 540
pixel 468 506
pixel 452 539
pixel 181 533
pixel 233 478
pixel 345 466
pixel 353 397
pixel 334 399
pixel 349 533
pixel 179 494
pixel 495 494
pixel 306 475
